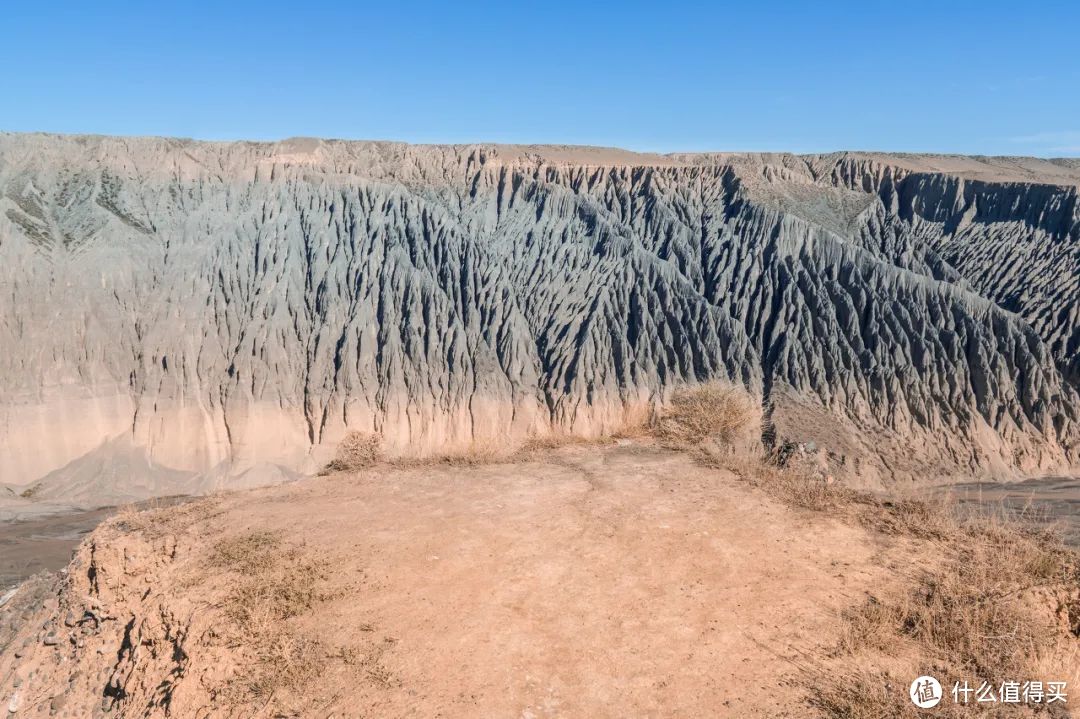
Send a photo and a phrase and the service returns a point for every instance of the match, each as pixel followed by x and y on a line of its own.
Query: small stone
pixel 50 640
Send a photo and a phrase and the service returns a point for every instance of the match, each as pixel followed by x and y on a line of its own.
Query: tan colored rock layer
pixel 226 306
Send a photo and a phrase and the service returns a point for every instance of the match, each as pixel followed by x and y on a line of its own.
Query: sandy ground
pixel 603 584
pixel 615 582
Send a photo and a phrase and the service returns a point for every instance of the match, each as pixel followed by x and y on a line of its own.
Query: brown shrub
pixel 989 604
pixel 997 598
pixel 474 453
pixel 479 451
pixel 713 410
pixel 357 450
pixel 157 517
pixel 559 440
pixel 247 553
pixel 274 583
pixel 790 485
pixel 284 662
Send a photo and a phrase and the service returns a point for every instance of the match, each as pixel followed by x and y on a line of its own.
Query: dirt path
pixel 622 582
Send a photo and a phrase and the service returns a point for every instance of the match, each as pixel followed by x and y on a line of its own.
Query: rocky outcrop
pixel 223 306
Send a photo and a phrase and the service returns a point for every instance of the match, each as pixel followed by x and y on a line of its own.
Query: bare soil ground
pixel 623 581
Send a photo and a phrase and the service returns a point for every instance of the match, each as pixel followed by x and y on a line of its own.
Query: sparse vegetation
pixel 476 452
pixel 997 606
pixel 357 450
pixel 714 410
pixel 559 440
pixel 996 600
pixel 792 485
pixel 247 553
pixel 274 583
pixel 164 515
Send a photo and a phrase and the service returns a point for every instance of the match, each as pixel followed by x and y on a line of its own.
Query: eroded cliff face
pixel 201 309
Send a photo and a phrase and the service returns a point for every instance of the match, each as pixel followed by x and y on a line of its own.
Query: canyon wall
pixel 195 311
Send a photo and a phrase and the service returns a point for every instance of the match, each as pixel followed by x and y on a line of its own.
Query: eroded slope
pixel 216 308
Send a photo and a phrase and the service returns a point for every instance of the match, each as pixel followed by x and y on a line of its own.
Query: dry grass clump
pixel 155 518
pixel 790 485
pixel 708 417
pixel 714 410
pixel 996 600
pixel 477 452
pixel 276 594
pixel 247 553
pixel 274 583
pixel 862 694
pixel 357 450
pixel 558 440
pixel 284 662
pixel 907 516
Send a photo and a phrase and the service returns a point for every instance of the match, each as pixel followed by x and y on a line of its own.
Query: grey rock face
pixel 207 308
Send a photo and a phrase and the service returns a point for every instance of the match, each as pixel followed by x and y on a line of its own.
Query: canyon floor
pixel 619 581
pixel 42 543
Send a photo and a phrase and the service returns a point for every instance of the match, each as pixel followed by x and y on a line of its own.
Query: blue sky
pixel 970 77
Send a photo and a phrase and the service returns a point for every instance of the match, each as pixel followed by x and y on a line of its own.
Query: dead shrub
pixel 790 485
pixel 477 452
pixel 247 553
pixel 558 440
pixel 274 583
pixel 986 606
pixel 160 516
pixel 275 594
pixel 714 410
pixel 998 597
pixel 357 450
pixel 285 662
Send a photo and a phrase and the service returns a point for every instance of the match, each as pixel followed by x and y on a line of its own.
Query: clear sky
pixel 948 76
